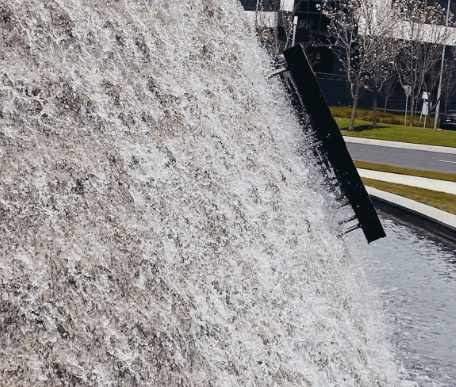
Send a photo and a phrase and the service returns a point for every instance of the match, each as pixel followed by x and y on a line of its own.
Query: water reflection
pixel 416 275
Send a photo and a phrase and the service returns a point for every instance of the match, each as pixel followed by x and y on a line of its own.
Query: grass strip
pixel 408 134
pixel 400 133
pixel 406 171
pixel 440 200
pixel 344 122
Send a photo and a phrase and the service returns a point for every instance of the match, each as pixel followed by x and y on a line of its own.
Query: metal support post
pixel 295 25
pixel 439 90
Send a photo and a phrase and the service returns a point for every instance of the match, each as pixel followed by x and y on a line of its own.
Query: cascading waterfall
pixel 159 224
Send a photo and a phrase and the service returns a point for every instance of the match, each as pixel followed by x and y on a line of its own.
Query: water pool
pixel 416 276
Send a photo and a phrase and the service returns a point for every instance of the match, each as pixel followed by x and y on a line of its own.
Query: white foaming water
pixel 159 223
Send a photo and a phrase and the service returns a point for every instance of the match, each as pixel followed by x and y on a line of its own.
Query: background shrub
pixel 382 117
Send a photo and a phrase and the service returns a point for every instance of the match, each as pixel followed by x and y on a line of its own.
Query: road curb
pixel 437 222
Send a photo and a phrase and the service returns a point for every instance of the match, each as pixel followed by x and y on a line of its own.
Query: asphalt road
pixel 407 158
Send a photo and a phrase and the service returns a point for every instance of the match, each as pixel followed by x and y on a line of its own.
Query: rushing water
pixel 159 223
pixel 416 276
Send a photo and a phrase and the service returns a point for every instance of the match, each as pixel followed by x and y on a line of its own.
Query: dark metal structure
pixel 328 139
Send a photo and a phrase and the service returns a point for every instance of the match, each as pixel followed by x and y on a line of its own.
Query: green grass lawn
pixel 400 133
pixel 391 128
pixel 440 200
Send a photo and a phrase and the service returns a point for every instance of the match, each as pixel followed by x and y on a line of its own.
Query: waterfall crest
pixel 159 223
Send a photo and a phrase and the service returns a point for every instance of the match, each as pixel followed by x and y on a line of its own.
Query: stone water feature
pixel 160 223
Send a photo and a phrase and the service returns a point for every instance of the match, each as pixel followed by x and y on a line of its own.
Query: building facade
pixel 313 26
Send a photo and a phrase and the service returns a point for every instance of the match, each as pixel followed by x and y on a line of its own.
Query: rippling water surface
pixel 417 279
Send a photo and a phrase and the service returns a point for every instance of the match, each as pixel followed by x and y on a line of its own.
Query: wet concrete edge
pixel 413 217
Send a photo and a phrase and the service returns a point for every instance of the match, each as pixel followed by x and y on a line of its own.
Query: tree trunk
pixel 412 110
pixel 386 104
pixel 374 107
pixel 353 112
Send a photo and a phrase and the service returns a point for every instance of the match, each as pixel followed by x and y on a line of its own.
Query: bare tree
pixel 389 85
pixel 269 19
pixel 267 24
pixel 449 78
pixel 379 74
pixel 380 66
pixel 360 34
pixel 430 83
pixel 422 35
pixel 377 25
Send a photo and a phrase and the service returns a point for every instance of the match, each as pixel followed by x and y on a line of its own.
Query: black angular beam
pixel 333 143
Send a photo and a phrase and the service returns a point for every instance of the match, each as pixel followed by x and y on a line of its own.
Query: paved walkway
pixel 412 181
pixel 403 145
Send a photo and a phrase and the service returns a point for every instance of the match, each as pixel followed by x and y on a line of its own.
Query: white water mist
pixel 159 224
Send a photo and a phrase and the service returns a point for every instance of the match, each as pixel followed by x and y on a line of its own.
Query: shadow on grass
pixel 363 128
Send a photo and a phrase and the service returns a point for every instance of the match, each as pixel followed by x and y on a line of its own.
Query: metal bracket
pixel 347 220
pixel 352 228
pixel 277 72
pixel 343 203
pixel 310 134
pixel 318 143
pixel 310 105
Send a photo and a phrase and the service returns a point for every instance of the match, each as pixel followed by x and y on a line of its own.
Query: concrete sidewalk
pixel 411 181
pixel 403 145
